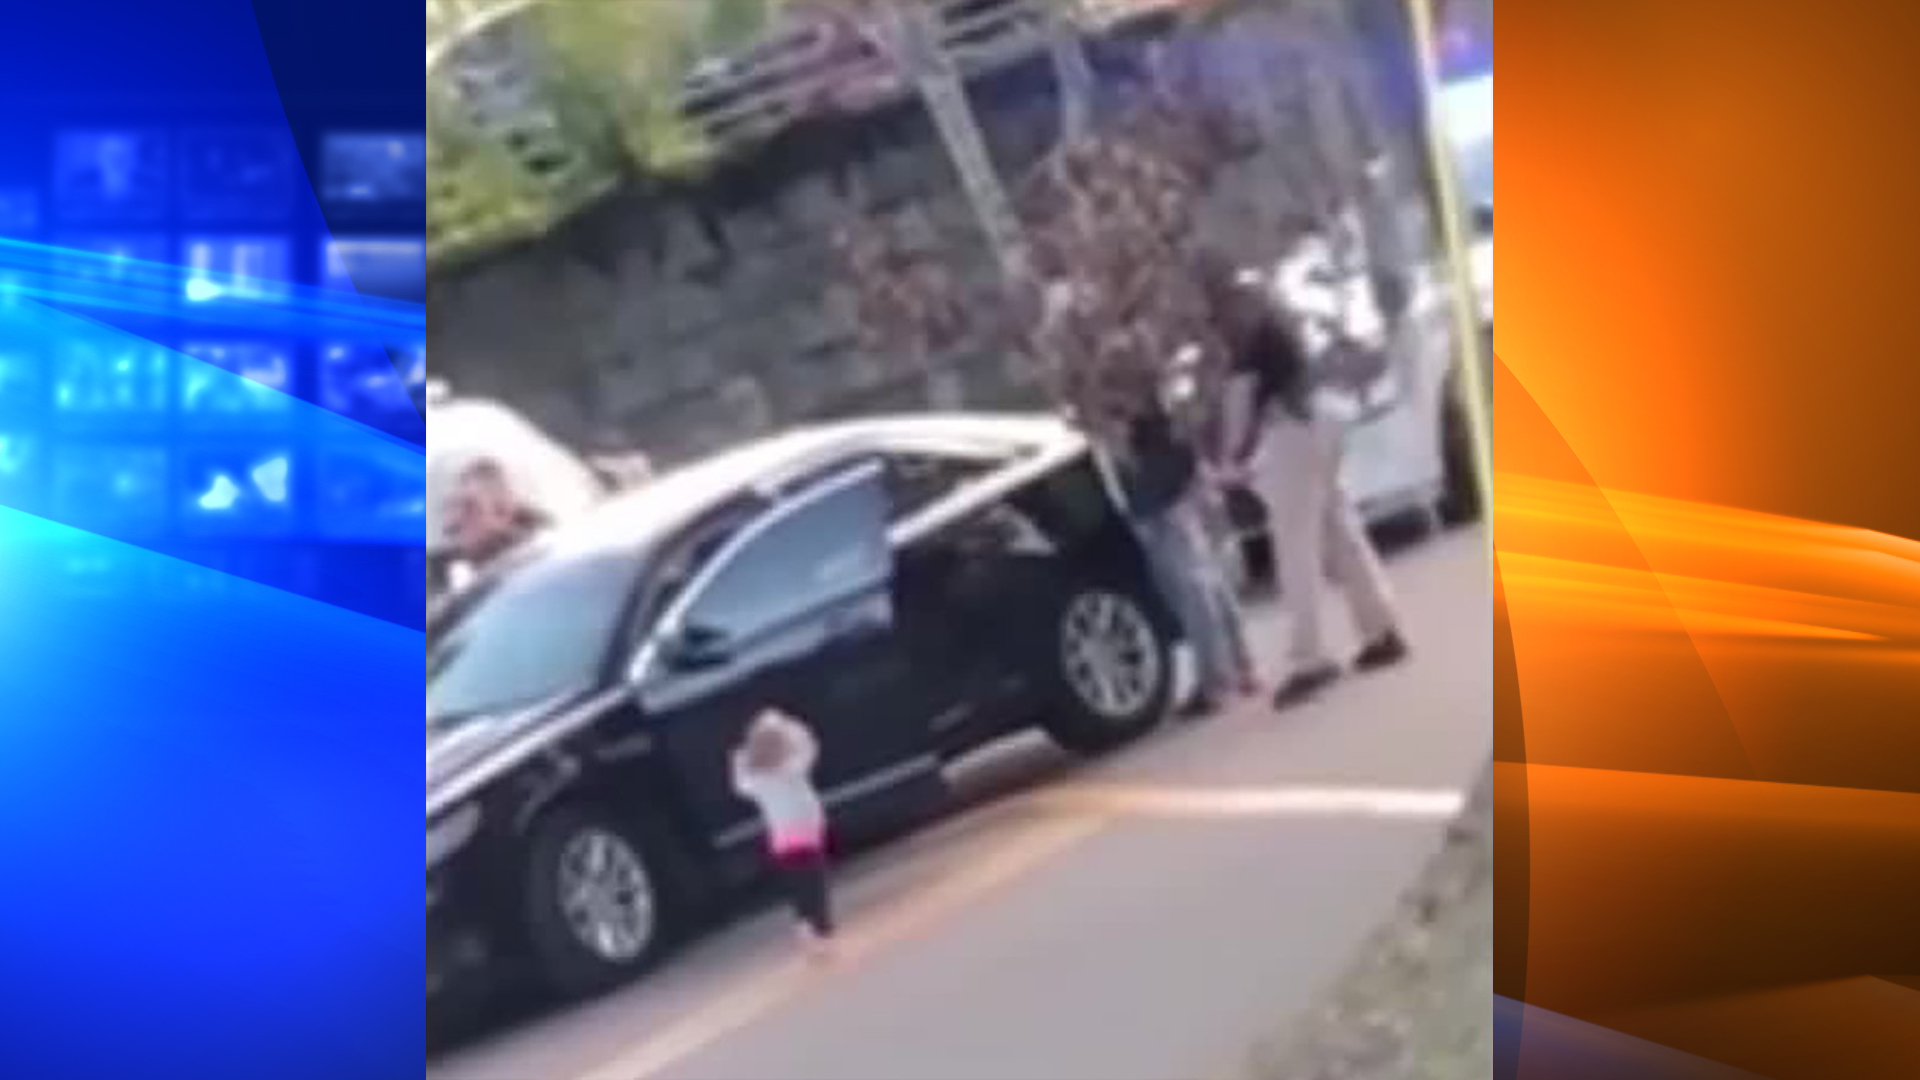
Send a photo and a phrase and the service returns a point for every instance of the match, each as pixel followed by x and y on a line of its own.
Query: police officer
pixel 1286 442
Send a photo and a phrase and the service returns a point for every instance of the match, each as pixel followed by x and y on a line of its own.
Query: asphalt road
pixel 1143 917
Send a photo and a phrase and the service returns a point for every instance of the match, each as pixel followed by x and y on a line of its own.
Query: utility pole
pixel 914 29
pixel 1362 169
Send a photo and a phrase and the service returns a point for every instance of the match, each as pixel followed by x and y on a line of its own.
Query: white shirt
pixel 788 804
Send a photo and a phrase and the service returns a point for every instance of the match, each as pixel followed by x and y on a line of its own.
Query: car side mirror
pixel 699 648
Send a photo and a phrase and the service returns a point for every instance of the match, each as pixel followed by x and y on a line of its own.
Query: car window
pixel 917 481
pixel 824 546
pixel 680 566
pixel 537 633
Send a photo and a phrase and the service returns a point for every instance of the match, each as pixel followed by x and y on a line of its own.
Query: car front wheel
pixel 1113 669
pixel 596 901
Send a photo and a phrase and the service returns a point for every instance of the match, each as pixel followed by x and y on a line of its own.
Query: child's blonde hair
pixel 769 742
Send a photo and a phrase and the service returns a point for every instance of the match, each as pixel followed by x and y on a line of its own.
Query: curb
pixel 1415 1002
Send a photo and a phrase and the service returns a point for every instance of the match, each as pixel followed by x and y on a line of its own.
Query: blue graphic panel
pixel 23 469
pixel 237 175
pixel 111 260
pixel 372 493
pixel 119 488
pixel 241 267
pixel 243 489
pixel 374 169
pixel 107 384
pixel 261 398
pixel 23 385
pixel 210 583
pixel 243 755
pixel 19 213
pixel 365 382
pixel 390 267
pixel 112 175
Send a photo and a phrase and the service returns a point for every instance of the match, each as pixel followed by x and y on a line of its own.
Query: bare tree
pixel 902 296
pixel 1103 295
pixel 1107 225
pixel 1111 224
pixel 1073 73
pixel 912 35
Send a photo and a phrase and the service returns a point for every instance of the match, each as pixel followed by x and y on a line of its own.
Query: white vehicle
pixel 1480 264
pixel 1466 110
pixel 1410 454
pixel 1398 460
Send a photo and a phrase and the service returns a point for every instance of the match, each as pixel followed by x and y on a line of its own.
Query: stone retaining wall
pixel 631 327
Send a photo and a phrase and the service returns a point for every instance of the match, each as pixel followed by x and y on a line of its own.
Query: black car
pixel 912 588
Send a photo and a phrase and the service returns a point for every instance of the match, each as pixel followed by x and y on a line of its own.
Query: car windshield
pixel 541 631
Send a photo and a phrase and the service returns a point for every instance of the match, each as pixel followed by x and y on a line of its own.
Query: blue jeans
pixel 1189 577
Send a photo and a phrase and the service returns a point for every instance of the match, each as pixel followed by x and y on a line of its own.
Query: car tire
pixel 573 844
pixel 1460 501
pixel 1112 668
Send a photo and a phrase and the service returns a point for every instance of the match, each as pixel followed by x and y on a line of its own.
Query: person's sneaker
pixel 1302 685
pixel 1384 651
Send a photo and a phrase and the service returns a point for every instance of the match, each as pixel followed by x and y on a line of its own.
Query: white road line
pixel 1280 801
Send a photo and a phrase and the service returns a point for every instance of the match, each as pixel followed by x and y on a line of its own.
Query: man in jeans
pixel 1158 473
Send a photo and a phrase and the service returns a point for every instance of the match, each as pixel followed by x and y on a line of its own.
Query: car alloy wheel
pixel 606 895
pixel 1110 655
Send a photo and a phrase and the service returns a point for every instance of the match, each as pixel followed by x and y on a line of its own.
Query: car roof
pixel 678 497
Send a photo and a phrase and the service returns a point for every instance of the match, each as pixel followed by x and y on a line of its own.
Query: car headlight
pixel 451 833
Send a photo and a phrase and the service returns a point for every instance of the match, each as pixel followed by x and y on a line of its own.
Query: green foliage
pixel 476 193
pixel 631 58
pixel 612 73
pixel 620 59
pixel 731 23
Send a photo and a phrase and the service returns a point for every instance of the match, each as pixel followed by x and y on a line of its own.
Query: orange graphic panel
pixel 1707 516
